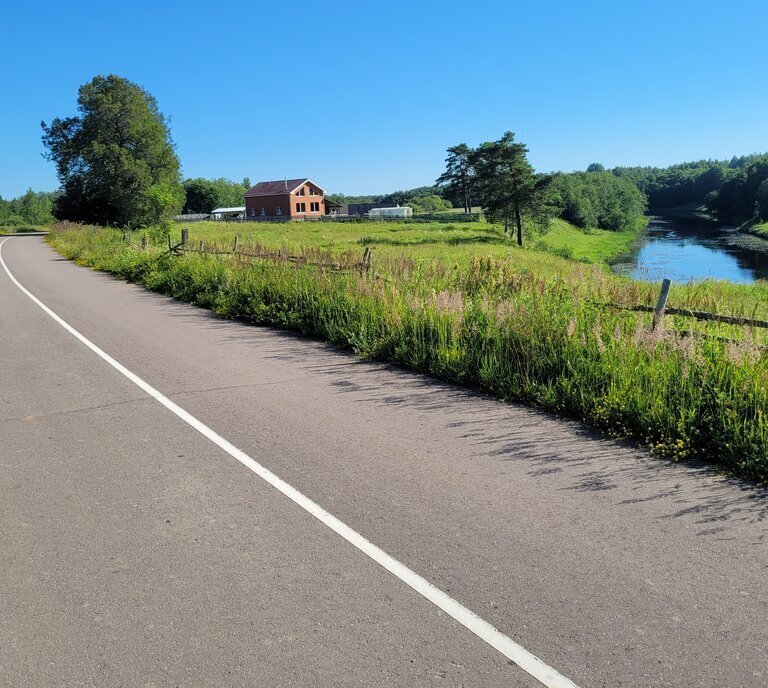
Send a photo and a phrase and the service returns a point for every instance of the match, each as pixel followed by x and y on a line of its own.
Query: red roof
pixel 278 188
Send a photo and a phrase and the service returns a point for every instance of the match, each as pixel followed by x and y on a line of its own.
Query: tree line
pixel 732 190
pixel 743 194
pixel 32 208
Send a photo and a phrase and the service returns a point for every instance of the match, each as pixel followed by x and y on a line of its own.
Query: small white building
pixel 397 211
pixel 228 213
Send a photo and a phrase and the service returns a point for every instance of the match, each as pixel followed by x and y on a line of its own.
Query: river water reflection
pixel 686 249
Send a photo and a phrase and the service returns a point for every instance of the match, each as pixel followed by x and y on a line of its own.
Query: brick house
pixel 292 199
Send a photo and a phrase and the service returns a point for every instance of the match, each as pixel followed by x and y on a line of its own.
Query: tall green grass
pixel 500 326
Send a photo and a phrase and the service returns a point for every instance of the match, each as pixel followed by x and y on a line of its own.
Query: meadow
pixel 456 242
pixel 462 303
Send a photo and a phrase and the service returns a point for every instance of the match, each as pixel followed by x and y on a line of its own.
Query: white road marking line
pixel 467 618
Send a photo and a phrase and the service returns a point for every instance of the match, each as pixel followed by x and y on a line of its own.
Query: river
pixel 688 249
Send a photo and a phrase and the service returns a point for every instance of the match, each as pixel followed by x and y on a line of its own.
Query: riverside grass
pixel 524 328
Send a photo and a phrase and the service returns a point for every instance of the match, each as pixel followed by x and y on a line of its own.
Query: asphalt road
pixel 136 552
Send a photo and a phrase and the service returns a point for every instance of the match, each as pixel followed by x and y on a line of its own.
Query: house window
pixel 262 212
pixel 314 207
pixel 301 207
pixel 312 192
pixel 278 211
pixel 300 192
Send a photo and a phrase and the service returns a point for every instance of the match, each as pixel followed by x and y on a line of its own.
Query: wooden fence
pixel 661 309
pixel 364 265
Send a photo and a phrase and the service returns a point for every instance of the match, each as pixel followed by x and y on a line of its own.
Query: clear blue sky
pixel 365 97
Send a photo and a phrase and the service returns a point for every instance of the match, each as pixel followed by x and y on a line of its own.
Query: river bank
pixel 756 229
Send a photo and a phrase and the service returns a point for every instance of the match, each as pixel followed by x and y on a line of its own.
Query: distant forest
pixel 734 190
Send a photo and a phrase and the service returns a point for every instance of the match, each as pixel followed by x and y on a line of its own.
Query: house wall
pixel 253 206
pixel 308 199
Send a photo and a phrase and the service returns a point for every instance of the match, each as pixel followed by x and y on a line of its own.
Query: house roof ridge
pixel 278 187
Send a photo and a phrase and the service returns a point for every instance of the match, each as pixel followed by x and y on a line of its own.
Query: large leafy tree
pixel 459 175
pixel 116 162
pixel 507 186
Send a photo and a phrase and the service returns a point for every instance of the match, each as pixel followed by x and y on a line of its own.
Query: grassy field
pixel 458 244
pixel 463 304
pixel 424 242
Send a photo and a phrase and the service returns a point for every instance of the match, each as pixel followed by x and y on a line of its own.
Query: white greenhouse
pixel 398 211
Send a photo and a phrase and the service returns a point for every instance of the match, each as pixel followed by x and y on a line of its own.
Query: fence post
pixel 143 241
pixel 170 245
pixel 184 236
pixel 234 245
pixel 367 259
pixel 661 304
pixel 201 245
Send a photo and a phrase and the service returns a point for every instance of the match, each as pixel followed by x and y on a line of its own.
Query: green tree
pixel 429 204
pixel 741 197
pixel 595 167
pixel 34 208
pixel 204 195
pixel 507 186
pixel 116 162
pixel 459 175
pixel 597 199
